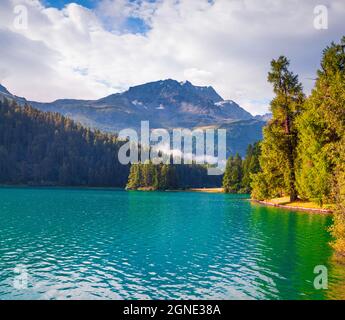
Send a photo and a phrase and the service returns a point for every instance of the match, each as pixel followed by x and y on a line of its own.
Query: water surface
pixel 111 244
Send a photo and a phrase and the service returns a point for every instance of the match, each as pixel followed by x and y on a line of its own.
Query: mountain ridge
pixel 165 104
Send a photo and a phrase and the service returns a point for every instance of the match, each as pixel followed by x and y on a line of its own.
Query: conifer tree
pixel 155 178
pixel 278 148
pixel 338 227
pixel 233 175
pixel 251 166
pixel 135 177
pixel 322 128
pixel 164 177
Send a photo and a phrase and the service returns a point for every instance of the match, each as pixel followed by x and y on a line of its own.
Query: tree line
pixel 47 149
pixel 39 148
pixel 148 176
pixel 303 148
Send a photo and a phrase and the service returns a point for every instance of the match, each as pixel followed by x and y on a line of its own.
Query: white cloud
pixel 81 53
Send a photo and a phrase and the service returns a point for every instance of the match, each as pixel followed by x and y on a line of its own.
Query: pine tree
pixel 338 227
pixel 322 128
pixel 251 166
pixel 233 175
pixel 277 160
pixel 134 178
pixel 164 177
pixel 155 178
pixel 146 174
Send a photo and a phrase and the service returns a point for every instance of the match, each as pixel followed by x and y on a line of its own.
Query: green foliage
pixel 260 187
pixel 39 148
pixel 303 151
pixel 250 166
pixel 169 177
pixel 302 141
pixel 135 177
pixel 277 160
pixel 238 173
pixel 321 128
pixel 321 149
pixel 232 181
pixel 338 228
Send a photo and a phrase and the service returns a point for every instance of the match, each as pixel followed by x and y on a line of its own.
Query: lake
pixel 112 244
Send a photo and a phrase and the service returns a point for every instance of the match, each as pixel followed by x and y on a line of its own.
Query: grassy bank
pixel 285 203
pixel 207 190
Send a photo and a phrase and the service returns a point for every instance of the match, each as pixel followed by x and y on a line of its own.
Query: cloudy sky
pixel 88 49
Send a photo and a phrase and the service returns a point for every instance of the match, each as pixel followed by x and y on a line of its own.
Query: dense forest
pixel 47 149
pixel 169 177
pixel 238 172
pixel 303 150
pixel 38 148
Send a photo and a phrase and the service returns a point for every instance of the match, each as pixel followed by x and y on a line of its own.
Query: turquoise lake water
pixel 108 244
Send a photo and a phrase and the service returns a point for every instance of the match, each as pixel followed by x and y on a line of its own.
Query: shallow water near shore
pixel 112 244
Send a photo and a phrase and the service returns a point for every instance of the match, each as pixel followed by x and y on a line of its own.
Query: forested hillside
pixel 47 149
pixel 40 148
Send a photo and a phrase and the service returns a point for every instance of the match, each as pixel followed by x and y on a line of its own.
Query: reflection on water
pixel 111 244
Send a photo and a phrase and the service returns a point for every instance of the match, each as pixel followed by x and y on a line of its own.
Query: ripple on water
pixel 99 244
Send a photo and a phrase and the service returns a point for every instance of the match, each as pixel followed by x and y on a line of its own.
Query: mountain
pixel 45 149
pixel 4 91
pixel 166 104
pixel 242 133
pixel 265 117
pixel 234 111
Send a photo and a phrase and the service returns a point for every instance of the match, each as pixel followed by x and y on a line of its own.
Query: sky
pixel 87 49
pixel 62 3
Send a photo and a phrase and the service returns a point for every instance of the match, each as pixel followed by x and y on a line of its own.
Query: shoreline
pixel 25 186
pixel 198 190
pixel 206 190
pixel 296 208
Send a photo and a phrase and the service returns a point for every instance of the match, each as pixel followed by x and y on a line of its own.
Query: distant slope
pixel 239 134
pixel 46 149
pixel 242 133
pixel 165 104
pixel 265 117
pixel 38 148
pixel 5 94
pixel 233 111
pixel 4 91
